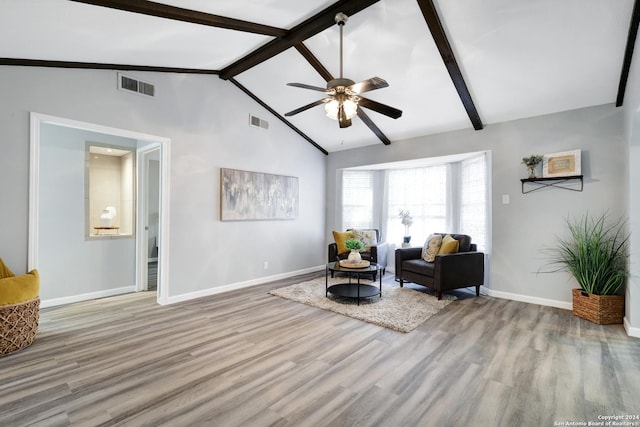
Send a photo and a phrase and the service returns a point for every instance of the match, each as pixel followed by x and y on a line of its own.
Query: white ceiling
pixel 519 58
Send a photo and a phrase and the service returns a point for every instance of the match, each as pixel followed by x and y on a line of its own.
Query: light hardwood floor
pixel 246 358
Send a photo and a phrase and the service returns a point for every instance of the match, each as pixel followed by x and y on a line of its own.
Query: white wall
pixel 111 184
pixel 69 263
pixel 206 120
pixel 631 108
pixel 529 223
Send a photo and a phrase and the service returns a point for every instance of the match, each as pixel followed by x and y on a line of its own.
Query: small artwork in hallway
pixel 248 195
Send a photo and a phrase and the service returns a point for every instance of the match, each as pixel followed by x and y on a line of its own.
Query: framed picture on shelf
pixel 565 163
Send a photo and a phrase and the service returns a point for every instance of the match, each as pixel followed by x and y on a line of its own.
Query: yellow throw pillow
pixel 431 247
pixel 4 270
pixel 341 237
pixel 17 289
pixel 449 245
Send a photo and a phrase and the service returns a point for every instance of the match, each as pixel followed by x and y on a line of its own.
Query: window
pixel 109 191
pixel 450 196
pixel 357 199
pixel 421 191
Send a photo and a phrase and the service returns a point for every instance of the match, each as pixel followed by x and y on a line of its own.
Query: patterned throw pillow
pixel 341 237
pixel 449 245
pixel 367 237
pixel 431 247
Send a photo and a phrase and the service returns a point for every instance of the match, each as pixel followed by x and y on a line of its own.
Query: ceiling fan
pixel 343 95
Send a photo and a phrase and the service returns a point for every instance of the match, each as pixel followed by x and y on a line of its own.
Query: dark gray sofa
pixel 448 271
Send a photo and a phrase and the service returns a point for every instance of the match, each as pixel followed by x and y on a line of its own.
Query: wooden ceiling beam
pixel 628 53
pixel 442 42
pixel 101 66
pixel 297 34
pixel 275 113
pixel 314 62
pixel 372 126
pixel 185 15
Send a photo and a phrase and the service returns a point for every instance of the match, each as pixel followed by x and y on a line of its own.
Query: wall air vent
pixel 258 122
pixel 129 84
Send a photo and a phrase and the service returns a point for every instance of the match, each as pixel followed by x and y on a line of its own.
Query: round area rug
pixel 400 309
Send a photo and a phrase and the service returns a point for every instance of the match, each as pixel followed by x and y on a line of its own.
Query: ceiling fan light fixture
pixel 332 107
pixel 350 108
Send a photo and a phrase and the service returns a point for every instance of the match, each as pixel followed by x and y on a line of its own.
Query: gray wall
pixel 529 223
pixel 207 120
pixel 69 264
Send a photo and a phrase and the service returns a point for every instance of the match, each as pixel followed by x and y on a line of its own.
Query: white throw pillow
pixel 367 237
pixel 431 247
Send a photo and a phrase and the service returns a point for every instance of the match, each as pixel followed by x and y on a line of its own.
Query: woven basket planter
pixel 18 325
pixel 600 309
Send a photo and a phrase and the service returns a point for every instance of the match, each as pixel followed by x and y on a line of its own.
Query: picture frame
pixel 250 196
pixel 564 163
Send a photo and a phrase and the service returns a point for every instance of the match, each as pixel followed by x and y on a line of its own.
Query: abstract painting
pixel 246 196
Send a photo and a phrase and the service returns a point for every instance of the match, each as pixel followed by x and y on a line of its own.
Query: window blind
pixel 357 199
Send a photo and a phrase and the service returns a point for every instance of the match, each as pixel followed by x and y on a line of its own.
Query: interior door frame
pixel 36 120
pixel 142 201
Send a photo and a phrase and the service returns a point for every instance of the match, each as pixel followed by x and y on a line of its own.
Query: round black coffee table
pixel 353 289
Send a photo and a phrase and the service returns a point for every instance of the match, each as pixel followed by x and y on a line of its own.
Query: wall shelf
pixel 564 182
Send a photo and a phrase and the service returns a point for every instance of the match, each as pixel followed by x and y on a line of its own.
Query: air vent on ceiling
pixel 130 84
pixel 256 121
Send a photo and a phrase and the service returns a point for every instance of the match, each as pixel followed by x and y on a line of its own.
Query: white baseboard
pixel 631 331
pixel 86 297
pixel 529 299
pixel 240 285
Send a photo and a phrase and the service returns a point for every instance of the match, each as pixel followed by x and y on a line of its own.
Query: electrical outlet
pixel 266 265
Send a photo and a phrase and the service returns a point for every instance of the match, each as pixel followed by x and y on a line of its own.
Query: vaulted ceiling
pixel 450 64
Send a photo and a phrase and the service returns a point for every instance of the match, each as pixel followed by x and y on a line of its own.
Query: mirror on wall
pixel 110 191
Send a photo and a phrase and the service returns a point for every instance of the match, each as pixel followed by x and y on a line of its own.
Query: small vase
pixel 532 172
pixel 354 257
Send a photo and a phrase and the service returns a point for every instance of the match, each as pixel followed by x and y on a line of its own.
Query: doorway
pixel 76 267
pixel 149 197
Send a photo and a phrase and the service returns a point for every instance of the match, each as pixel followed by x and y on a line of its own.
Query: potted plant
pixel 532 162
pixel 355 246
pixel 595 253
pixel 406 220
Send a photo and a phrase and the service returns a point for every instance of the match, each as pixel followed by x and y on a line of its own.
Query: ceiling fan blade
pixel 343 121
pixel 306 107
pixel 369 84
pixel 306 86
pixel 394 113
